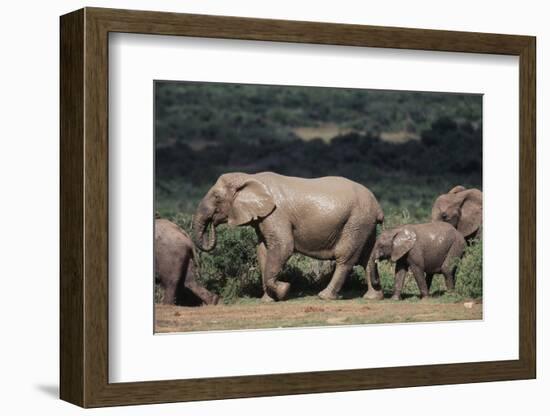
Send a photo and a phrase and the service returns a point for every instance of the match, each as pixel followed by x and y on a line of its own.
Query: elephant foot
pixel 328 294
pixel 266 298
pixel 396 297
pixel 211 300
pixel 282 290
pixel 424 298
pixel 373 295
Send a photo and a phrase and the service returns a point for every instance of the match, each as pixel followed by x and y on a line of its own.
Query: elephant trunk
pixel 375 279
pixel 200 224
pixel 374 275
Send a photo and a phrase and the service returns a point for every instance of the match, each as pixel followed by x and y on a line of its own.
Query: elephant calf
pixel 175 263
pixel 424 249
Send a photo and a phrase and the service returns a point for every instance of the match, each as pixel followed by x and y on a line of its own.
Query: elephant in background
pixel 176 263
pixel 329 218
pixel 463 209
pixel 422 248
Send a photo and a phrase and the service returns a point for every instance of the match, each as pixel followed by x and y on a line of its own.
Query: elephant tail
pixel 194 252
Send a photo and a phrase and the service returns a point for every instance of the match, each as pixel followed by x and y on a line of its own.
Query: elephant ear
pixel 471 213
pixel 402 243
pixel 252 201
pixel 457 189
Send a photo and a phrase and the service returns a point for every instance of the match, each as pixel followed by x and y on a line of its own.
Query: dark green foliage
pixel 451 153
pixel 188 112
pixel 232 269
pixel 469 275
pixel 386 269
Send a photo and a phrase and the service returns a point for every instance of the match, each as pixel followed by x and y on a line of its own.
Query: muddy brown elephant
pixel 330 218
pixel 463 209
pixel 175 264
pixel 425 249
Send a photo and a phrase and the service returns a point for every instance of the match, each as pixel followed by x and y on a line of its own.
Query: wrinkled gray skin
pixel 462 208
pixel 424 249
pixel 330 218
pixel 175 263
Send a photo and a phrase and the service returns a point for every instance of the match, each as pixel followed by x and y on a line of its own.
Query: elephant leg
pixel 449 273
pixel 449 280
pixel 338 278
pixel 374 292
pixel 276 258
pixel 204 294
pixel 400 274
pixel 429 280
pixel 169 297
pixel 261 252
pixel 420 281
pixel 451 262
pixel 279 246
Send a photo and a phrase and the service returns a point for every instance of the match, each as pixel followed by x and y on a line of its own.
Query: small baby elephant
pixel 423 248
pixel 175 263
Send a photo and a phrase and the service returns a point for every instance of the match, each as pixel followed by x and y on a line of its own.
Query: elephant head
pixel 460 207
pixel 394 244
pixel 236 199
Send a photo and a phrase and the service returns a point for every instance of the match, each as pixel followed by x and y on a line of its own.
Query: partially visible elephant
pixel 175 263
pixel 423 248
pixel 462 208
pixel 330 218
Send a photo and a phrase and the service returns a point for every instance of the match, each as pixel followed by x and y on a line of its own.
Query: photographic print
pixel 300 205
pixel 293 206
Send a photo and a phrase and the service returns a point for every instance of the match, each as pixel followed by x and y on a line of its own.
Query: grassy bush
pixel 469 275
pixel 232 269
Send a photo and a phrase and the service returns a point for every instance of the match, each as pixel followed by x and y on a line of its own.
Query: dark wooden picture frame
pixel 84 207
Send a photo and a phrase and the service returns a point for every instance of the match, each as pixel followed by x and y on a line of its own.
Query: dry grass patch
pixel 305 312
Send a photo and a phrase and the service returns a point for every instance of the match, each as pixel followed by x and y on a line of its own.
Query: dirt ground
pixel 310 311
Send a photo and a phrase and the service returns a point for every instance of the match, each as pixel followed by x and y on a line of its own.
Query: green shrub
pixel 386 270
pixel 307 276
pixel 184 221
pixel 396 217
pixel 469 275
pixel 232 269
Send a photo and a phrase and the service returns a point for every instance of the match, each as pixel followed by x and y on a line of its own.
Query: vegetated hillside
pixel 204 113
pixel 205 129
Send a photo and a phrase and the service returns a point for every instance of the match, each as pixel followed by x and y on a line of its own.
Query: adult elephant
pixel 462 208
pixel 324 218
